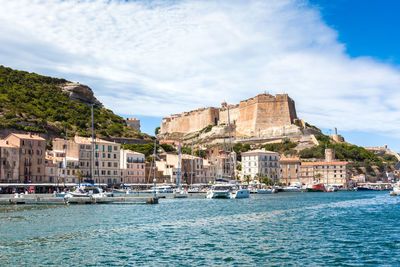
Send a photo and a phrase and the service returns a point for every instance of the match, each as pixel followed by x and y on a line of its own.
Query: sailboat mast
pixel 191 167
pixel 230 146
pixel 65 155
pixel 179 167
pixel 154 167
pixel 92 165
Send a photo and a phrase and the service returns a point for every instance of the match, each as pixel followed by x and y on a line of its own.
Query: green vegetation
pixel 146 149
pixel 313 127
pixel 168 148
pixel 157 130
pixel 198 152
pixel 343 152
pixel 35 103
pixel 285 147
pixel 239 148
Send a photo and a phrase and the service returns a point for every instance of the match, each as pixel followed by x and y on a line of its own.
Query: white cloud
pixel 157 57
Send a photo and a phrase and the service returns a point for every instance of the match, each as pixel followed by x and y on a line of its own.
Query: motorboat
pixel 332 188
pixel 396 190
pixel 240 192
pixel 264 191
pixel 86 191
pixel 317 188
pixel 219 191
pixel 296 187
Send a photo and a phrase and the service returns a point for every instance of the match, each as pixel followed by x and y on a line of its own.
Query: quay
pixel 49 199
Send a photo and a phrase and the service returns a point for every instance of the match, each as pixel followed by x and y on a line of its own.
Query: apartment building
pixel 9 163
pixel 106 158
pixel 133 167
pixel 32 150
pixel 289 170
pixel 261 162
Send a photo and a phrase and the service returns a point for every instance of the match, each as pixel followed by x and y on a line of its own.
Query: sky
pixel 339 60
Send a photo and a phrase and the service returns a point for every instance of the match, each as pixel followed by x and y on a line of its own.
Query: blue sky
pixel 339 60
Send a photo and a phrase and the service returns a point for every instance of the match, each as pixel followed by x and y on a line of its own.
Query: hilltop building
pixel 263 115
pixel 133 123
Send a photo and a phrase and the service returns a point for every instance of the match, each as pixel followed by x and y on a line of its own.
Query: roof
pixel 29 136
pixel 4 143
pixel 127 151
pixel 259 151
pixel 289 160
pixel 323 163
pixel 88 140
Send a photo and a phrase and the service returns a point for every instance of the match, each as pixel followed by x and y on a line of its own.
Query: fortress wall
pixel 264 112
pixel 190 121
pixel 233 114
pixel 263 115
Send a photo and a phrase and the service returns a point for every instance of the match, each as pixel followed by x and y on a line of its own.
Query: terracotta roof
pixel 4 143
pixel 289 160
pixel 259 151
pixel 29 136
pixel 323 163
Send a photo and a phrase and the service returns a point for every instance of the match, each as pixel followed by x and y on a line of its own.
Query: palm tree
pixel 247 178
pixel 79 175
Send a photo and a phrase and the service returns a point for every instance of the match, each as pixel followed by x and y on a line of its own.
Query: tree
pixel 157 130
pixel 247 178
pixel 79 175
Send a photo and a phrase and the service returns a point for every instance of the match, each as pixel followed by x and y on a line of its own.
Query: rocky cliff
pixel 81 92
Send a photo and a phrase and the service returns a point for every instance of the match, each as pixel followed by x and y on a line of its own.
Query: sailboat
pixel 179 192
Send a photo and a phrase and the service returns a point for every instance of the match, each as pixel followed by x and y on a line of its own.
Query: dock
pixel 49 199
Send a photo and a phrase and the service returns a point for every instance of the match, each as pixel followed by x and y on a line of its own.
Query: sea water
pixel 339 228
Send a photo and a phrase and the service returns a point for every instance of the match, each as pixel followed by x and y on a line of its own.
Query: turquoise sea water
pixel 341 228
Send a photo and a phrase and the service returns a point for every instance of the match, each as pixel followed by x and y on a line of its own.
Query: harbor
pixel 297 228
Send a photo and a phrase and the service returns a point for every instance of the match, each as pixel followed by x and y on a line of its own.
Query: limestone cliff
pixel 81 92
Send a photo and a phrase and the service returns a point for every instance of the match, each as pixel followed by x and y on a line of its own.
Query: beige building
pixel 334 172
pixel 289 170
pixel 169 165
pixel 133 167
pixel 9 163
pixel 262 162
pixel 327 172
pixel 106 167
pixel 32 150
pixel 50 171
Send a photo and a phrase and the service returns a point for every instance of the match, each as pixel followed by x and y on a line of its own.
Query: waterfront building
pixel 289 170
pixel 169 165
pixel 224 162
pixel 31 157
pixel 261 162
pixel 9 163
pixel 50 170
pixel 132 165
pixel 106 168
pixel 327 172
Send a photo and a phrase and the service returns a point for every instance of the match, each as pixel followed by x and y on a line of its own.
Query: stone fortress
pixel 262 116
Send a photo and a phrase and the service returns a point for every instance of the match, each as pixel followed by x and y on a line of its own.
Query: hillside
pixel 35 103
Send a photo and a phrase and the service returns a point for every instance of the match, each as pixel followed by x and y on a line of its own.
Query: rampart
pixel 262 115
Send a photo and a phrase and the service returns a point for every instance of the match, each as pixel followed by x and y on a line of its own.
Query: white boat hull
pixel 241 193
pixel 264 191
pixel 218 194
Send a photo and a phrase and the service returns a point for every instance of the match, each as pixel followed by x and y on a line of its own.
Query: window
pixel 115 147
pixel 109 155
pixel 115 164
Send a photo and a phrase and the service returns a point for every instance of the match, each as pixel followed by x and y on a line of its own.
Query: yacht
pixel 264 191
pixel 296 187
pixel 86 191
pixel 240 192
pixel 396 190
pixel 219 191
